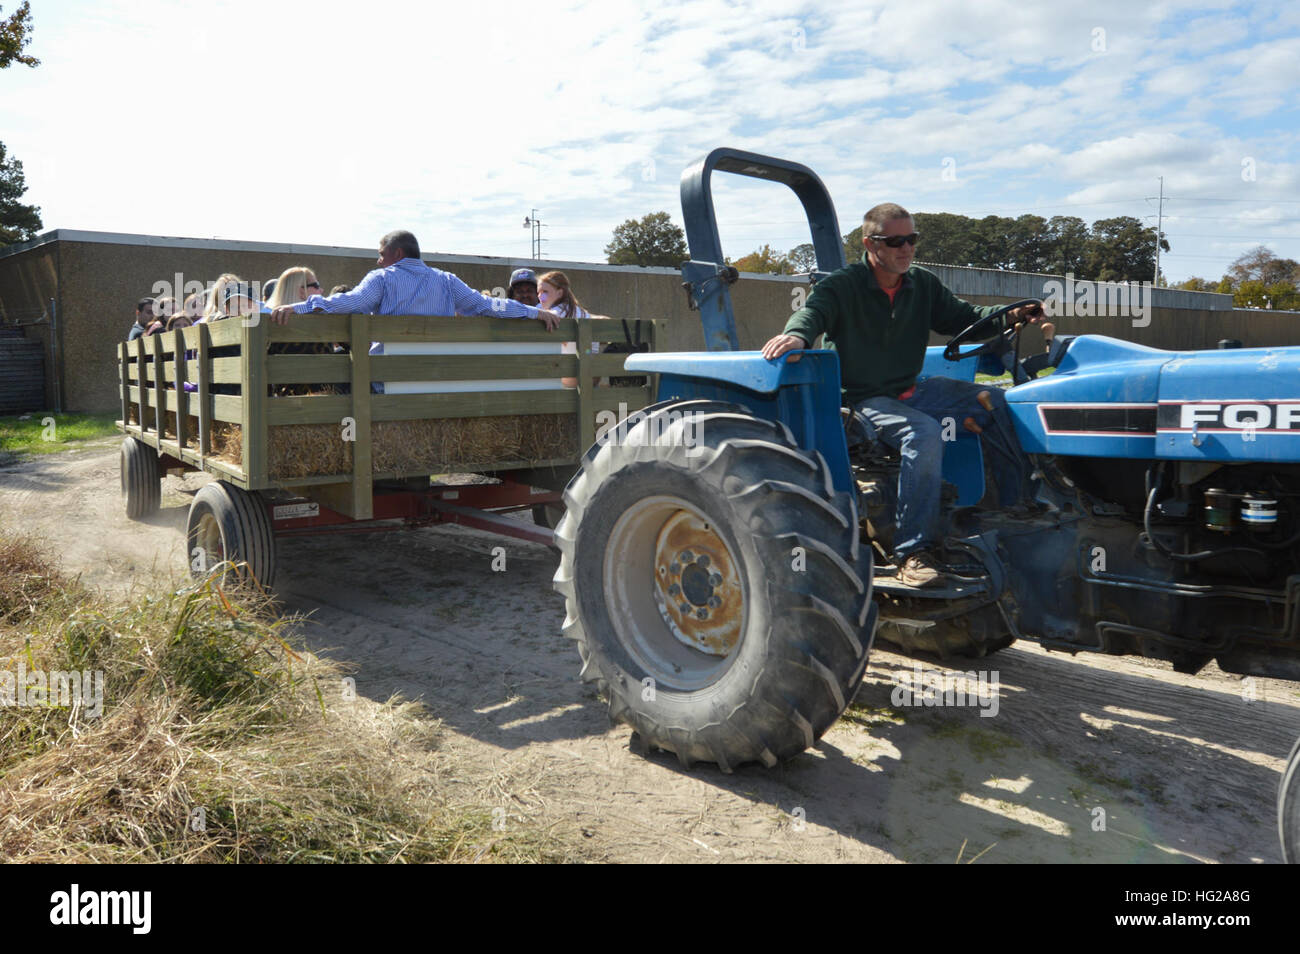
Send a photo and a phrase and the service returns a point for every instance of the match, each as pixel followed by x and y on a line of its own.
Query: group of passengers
pixel 402 284
pixel 227 297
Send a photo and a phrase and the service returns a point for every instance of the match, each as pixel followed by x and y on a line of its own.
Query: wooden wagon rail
pixel 236 371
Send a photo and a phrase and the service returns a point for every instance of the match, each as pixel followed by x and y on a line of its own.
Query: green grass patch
pixel 983 743
pixel 872 716
pixel 44 432
pixel 1004 380
pixel 215 736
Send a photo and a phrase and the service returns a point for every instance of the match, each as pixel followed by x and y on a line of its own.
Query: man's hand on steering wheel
pixel 1017 312
pixel 1032 313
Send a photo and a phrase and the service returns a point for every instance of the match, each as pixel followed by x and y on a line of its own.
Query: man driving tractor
pixel 877 315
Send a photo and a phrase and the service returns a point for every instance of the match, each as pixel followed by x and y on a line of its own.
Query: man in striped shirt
pixel 404 285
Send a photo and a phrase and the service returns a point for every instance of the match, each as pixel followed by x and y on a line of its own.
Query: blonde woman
pixel 294 285
pixel 216 307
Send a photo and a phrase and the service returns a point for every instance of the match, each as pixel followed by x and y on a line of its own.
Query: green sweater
pixel 881 348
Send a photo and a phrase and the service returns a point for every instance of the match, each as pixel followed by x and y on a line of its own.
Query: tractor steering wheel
pixel 999 345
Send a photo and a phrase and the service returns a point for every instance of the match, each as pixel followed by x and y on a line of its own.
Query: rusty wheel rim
pixel 207 540
pixel 676 593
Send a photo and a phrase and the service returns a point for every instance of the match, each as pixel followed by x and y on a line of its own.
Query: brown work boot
pixel 922 569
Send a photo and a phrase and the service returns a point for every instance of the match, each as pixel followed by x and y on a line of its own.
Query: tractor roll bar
pixel 706 277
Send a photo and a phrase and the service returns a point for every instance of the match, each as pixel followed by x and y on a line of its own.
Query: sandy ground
pixel 1091 759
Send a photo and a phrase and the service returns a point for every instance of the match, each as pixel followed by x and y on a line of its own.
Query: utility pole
pixel 534 225
pixel 1160 217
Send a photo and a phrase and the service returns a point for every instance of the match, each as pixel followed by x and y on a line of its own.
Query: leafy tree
pixel 992 243
pixel 15 34
pixel 652 240
pixel 1253 293
pixel 1067 243
pixel 1030 244
pixel 946 238
pixel 853 246
pixel 18 222
pixel 802 258
pixel 1260 264
pixel 1121 249
pixel 765 261
pixel 1197 284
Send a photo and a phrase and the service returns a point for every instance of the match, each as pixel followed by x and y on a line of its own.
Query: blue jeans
pixel 915 426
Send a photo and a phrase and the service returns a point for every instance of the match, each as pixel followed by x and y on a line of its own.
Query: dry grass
pixel 218 741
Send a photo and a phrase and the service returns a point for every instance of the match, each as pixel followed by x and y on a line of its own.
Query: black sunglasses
pixel 896 241
pixel 313 284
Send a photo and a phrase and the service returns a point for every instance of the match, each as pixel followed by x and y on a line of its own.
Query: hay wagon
pixel 285 419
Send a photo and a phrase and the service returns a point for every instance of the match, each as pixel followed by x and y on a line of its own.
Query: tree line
pixel 1110 250
pixel 1114 249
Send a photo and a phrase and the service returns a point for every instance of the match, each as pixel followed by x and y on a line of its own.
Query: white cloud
pixel 330 123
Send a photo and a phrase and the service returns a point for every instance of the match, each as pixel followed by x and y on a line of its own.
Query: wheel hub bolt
pixel 702 613
pixel 687 556
pixel 703 561
pixel 685 608
pixel 674 590
pixel 715 579
pixel 674 568
pixel 714 602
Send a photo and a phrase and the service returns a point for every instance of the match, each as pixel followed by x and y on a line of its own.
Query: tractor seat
pixel 861 436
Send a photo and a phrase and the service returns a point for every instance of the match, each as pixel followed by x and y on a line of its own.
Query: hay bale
pixel 307 450
pixel 411 448
pixel 470 443
pixel 227 442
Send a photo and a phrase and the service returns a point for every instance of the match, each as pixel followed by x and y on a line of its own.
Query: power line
pixel 1173 198
pixel 1229 238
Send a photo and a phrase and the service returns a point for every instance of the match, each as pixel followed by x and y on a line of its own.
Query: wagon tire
pixel 714 585
pixel 141 479
pixel 228 528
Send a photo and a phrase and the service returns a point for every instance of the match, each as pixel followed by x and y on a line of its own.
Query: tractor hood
pixel 1118 399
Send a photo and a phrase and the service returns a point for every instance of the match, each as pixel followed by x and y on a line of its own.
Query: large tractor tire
pixel 1288 808
pixel 141 479
pixel 230 526
pixel 714 584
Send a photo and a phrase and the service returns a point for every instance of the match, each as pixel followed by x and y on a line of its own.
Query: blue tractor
pixel 725 552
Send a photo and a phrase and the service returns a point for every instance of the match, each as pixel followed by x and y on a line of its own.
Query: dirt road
pixel 1086 759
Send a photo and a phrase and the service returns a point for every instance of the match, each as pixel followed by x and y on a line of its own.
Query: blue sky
pixel 331 123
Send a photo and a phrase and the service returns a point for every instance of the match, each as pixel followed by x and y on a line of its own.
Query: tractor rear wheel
pixel 714 584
